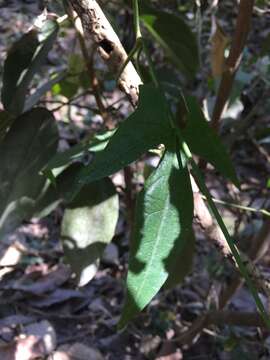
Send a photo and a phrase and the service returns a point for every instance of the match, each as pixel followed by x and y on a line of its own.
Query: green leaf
pixel 164 215
pixel 83 149
pixel 203 141
pixel 33 99
pixel 70 85
pixel 145 129
pixel 66 87
pixel 60 182
pixel 88 226
pixel 24 59
pixel 27 147
pixel 174 36
pixel 183 263
pixel 6 120
pixel 76 64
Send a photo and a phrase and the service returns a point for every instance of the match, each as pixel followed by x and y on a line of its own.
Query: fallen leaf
pixel 57 276
pixel 219 43
pixel 45 333
pixel 169 351
pixel 77 351
pixel 110 255
pixel 14 320
pixel 21 349
pixel 56 297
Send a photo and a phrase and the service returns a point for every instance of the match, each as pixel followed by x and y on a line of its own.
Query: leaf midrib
pixel 156 245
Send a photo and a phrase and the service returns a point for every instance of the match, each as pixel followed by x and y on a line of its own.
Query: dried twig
pixel 99 30
pixel 234 59
pixel 220 318
pixel 88 58
pixel 214 233
pixel 258 248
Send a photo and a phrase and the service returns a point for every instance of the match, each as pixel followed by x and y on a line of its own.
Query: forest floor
pixel 44 314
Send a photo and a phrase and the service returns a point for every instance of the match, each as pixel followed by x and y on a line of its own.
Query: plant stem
pixel 212 205
pixel 136 19
pixel 141 41
pixel 229 240
pixel 151 65
pixel 240 207
pixel 133 52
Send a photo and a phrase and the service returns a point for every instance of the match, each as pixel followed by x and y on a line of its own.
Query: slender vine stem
pixel 137 47
pixel 141 42
pixel 232 246
pixel 240 207
pixel 135 51
pixel 136 19
pixel 150 65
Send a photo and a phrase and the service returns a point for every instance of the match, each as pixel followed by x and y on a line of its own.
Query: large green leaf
pixel 203 141
pixel 163 222
pixel 26 149
pixel 24 59
pixel 174 36
pixel 182 264
pixel 88 226
pixel 146 128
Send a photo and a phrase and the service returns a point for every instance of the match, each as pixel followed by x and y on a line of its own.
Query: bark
pixel 99 30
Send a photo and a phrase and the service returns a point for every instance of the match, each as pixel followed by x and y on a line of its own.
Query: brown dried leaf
pixel 169 351
pixel 57 297
pixel 219 43
pixel 38 341
pixel 21 349
pixel 44 332
pixel 56 276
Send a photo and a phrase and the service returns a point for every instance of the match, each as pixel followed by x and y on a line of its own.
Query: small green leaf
pixel 88 226
pixel 203 141
pixel 76 64
pixel 164 215
pixel 26 149
pixel 60 182
pixel 67 87
pixel 33 99
pixel 81 150
pixel 24 59
pixel 145 129
pixel 174 36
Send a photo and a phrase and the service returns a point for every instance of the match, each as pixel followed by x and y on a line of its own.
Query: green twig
pixel 137 47
pixel 150 65
pixel 136 19
pixel 240 207
pixel 232 246
pixel 138 35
